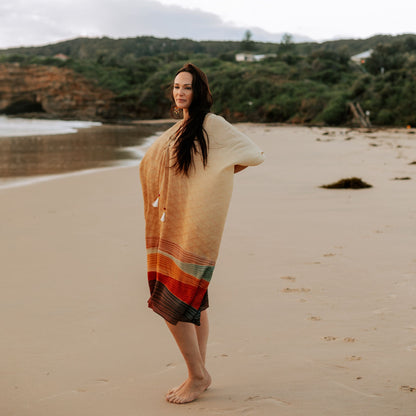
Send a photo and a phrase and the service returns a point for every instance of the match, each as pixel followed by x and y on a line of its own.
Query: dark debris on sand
pixel 348 183
pixel 413 163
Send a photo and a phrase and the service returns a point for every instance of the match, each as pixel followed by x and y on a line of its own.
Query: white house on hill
pixel 251 57
pixel 361 57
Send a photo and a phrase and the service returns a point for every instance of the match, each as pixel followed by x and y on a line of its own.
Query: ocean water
pixel 39 150
pixel 18 127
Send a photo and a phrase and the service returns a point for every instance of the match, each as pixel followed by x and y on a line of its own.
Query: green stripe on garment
pixel 196 270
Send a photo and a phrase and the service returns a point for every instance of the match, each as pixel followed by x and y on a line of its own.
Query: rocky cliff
pixel 52 91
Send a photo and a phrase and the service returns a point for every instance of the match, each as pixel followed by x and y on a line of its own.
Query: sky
pixel 39 22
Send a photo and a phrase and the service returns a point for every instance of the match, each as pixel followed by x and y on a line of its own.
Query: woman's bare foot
pixel 190 390
pixel 174 389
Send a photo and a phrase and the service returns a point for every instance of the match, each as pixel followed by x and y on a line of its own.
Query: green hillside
pixel 302 83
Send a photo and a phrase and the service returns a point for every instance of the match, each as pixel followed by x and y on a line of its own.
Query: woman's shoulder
pixel 232 141
pixel 217 125
pixel 214 120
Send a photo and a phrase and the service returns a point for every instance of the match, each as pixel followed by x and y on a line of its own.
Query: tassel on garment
pixel 156 202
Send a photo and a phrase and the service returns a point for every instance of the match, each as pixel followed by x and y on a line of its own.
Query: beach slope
pixel 313 304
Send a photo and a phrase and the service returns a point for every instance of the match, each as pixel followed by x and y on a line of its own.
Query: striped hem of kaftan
pixel 178 281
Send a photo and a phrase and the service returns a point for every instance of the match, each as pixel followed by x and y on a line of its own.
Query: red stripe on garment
pixel 186 293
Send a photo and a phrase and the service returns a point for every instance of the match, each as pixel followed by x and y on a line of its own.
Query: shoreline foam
pixel 22 127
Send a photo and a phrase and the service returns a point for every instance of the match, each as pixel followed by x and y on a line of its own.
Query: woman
pixel 187 180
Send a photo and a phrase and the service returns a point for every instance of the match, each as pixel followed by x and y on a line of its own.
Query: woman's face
pixel 182 90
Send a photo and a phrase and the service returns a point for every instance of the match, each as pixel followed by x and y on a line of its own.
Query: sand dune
pixel 313 305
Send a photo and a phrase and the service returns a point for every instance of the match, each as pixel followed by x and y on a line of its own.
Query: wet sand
pixel 313 305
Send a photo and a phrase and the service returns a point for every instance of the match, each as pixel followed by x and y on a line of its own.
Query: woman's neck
pixel 185 114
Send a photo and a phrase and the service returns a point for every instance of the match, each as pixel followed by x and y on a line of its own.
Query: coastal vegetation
pixel 348 183
pixel 297 83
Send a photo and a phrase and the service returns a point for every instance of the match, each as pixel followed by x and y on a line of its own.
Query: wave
pixel 19 127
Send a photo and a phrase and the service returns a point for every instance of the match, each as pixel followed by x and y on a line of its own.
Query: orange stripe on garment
pixel 177 251
pixel 165 265
pixel 186 293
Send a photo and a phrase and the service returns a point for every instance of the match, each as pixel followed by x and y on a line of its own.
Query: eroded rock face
pixel 57 92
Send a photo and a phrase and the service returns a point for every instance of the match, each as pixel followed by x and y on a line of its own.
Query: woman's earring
pixel 177 111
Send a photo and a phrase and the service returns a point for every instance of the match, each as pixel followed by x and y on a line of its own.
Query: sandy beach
pixel 313 306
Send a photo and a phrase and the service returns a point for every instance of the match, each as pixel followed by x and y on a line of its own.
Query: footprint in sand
pixel 346 339
pixel 402 178
pixel 329 338
pixel 291 278
pixel 295 290
pixel 318 139
pixel 329 254
pixel 408 388
pixel 269 399
pixel 353 358
pixel 314 318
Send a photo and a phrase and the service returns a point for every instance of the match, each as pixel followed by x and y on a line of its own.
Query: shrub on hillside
pixel 336 112
pixel 384 117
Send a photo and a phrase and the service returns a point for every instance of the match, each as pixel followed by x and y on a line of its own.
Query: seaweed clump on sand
pixel 347 183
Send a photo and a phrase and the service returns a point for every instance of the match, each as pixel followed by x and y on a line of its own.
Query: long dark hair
pixel 192 131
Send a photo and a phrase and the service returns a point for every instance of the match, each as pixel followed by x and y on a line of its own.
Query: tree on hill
pixel 286 44
pixel 247 44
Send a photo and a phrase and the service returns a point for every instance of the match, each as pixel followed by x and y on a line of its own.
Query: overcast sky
pixel 37 22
